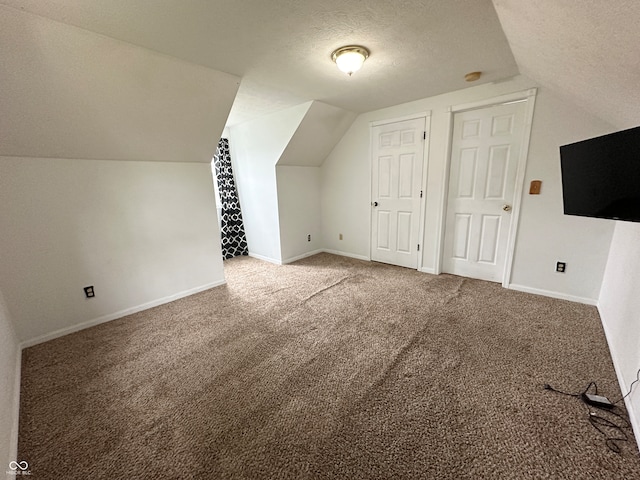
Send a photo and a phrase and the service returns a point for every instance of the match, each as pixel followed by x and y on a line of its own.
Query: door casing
pixel 427 117
pixel 529 97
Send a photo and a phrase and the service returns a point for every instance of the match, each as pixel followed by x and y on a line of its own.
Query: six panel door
pixel 397 163
pixel 485 150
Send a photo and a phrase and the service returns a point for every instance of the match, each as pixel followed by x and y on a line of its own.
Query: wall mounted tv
pixel 601 176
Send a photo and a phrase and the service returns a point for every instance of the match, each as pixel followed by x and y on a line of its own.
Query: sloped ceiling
pixel 69 93
pixel 419 48
pixel 585 50
pixel 588 51
pixel 318 133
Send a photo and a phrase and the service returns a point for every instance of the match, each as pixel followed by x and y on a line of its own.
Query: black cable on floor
pixel 600 423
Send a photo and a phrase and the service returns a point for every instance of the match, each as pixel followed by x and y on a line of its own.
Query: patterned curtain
pixel 234 241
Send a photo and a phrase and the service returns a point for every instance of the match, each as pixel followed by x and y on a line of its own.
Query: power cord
pixel 599 422
pixel 630 388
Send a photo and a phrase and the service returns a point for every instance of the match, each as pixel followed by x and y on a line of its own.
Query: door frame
pixel 423 185
pixel 528 96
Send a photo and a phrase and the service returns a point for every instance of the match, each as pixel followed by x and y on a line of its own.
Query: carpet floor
pixel 328 368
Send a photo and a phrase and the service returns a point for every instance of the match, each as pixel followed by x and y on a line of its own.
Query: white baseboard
pixel 634 419
pixel 300 257
pixel 432 271
pixel 266 259
pixel 549 293
pixel 346 254
pixel 308 254
pixel 113 316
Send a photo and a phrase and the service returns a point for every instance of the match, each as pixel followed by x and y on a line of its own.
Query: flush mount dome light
pixel 349 59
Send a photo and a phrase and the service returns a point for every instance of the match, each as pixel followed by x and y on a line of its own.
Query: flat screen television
pixel 601 176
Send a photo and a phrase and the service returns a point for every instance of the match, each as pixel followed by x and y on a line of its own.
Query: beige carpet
pixel 329 368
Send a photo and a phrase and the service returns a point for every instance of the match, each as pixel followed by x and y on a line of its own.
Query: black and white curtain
pixel 234 240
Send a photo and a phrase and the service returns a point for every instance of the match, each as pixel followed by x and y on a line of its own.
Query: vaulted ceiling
pixel 587 50
pixel 281 48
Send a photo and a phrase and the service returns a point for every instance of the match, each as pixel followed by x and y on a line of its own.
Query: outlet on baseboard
pixel 561 267
pixel 309 238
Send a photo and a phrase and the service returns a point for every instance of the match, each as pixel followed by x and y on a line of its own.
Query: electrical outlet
pixel 309 238
pixel 88 291
pixel 340 237
pixel 561 267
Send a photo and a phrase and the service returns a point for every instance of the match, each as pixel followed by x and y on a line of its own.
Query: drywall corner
pixel 10 357
pixel 256 147
pixel 299 211
pixel 619 305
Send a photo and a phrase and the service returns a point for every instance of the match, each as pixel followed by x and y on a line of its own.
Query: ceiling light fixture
pixel 349 59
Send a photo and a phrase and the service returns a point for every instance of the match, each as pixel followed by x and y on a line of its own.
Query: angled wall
pixel 104 175
pixel 276 162
pixel 256 147
pixel 319 131
pixel 298 178
pixel 70 93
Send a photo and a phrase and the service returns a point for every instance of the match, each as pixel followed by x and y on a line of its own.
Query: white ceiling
pixel 282 48
pixel 68 93
pixel 587 50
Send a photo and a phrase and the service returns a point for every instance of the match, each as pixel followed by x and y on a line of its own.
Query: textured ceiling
pixel 281 48
pixel 587 50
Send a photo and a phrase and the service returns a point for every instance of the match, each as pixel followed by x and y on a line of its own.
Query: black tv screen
pixel 601 176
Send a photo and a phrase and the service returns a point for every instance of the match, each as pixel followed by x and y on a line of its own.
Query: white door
pixel 398 153
pixel 485 150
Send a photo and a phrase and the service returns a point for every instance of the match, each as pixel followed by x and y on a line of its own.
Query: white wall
pixel 319 131
pixel 105 149
pixel 71 93
pixel 619 308
pixel 346 193
pixel 140 232
pixel 104 180
pixel 299 210
pixel 9 388
pixel 256 147
pixel 545 235
pixel 280 207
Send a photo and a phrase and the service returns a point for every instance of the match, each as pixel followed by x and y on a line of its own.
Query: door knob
pixel 506 208
pixel 375 204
